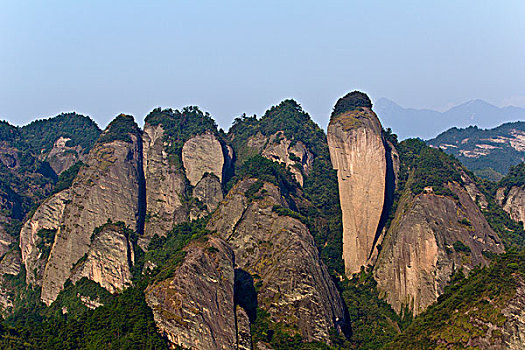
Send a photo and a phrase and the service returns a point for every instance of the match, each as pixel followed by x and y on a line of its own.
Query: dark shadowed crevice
pixel 141 219
pixel 245 294
pixel 390 187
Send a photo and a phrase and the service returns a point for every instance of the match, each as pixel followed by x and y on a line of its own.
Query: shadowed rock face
pixel 431 237
pixel 195 308
pixel 358 154
pixel 108 261
pixel 513 203
pixel 110 186
pixel 295 287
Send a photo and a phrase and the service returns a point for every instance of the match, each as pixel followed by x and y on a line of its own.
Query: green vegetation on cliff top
pixel 42 134
pixel 351 101
pixel 320 186
pixel 180 126
pixel 119 129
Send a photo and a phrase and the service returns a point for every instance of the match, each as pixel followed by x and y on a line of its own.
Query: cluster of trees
pixel 350 102
pixel 42 134
pixel 119 129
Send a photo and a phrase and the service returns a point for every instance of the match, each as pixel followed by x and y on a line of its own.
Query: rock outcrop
pixel 279 251
pixel 195 308
pixel 10 264
pixel 294 155
pixel 110 186
pixel 430 237
pixel 170 188
pixel 513 202
pixel 38 235
pixel 200 155
pixel 109 259
pixel 357 150
pixel 165 186
pixel 62 157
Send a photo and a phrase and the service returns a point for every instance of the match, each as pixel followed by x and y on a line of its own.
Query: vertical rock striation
pixel 109 259
pixel 165 186
pixel 358 153
pixel 429 239
pixel 195 308
pixel 513 202
pixel 295 287
pixel 38 234
pixel 109 186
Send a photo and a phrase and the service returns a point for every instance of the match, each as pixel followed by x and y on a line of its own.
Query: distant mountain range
pixel 487 152
pixel 427 124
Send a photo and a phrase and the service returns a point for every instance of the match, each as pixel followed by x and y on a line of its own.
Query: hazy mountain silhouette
pixel 426 123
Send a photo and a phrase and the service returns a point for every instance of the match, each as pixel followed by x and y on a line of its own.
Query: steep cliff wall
pixel 109 259
pixel 38 235
pixel 166 186
pixel 202 154
pixel 513 202
pixel 358 154
pixel 430 237
pixel 195 308
pixel 110 186
pixel 294 286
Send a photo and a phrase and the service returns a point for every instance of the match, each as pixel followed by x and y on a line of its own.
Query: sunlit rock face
pixel 279 251
pixel 294 155
pixel 195 308
pixel 358 153
pixel 166 186
pixel 513 202
pixel 430 237
pixel 109 259
pixel 109 187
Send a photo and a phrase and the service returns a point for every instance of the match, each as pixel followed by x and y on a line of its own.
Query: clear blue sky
pixel 102 58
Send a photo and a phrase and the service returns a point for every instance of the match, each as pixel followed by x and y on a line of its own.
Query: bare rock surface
pixel 430 237
pixel 295 287
pixel 10 264
pixel 244 338
pixel 209 191
pixel 165 186
pixel 109 260
pixel 294 155
pixel 108 187
pixel 513 202
pixel 358 154
pixel 202 154
pixel 195 308
pixel 62 157
pixel 48 216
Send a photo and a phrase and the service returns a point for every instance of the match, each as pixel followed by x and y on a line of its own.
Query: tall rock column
pixel 110 186
pixel 358 154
